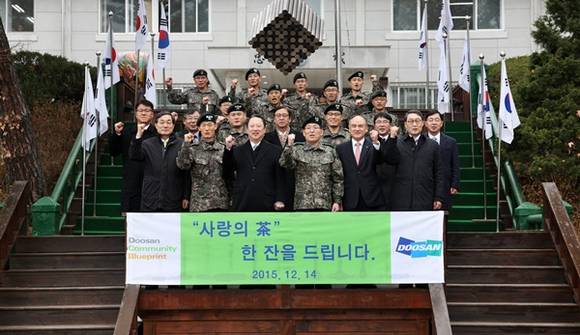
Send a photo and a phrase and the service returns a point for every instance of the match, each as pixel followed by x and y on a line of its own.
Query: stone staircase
pixel 508 283
pixel 62 285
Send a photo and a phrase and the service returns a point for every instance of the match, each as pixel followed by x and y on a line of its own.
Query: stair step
pixel 561 293
pixel 110 170
pixel 451 126
pixel 502 257
pixel 102 224
pixel 464 225
pixel 58 315
pixel 475 185
pixel 85 329
pixel 515 328
pixel 472 211
pixel 106 196
pixel 504 274
pixel 64 243
pixel 109 295
pixel 109 183
pixel 464 148
pixel 105 159
pixel 501 240
pixel 63 277
pixel 63 260
pixel 472 198
pixel 462 136
pixel 469 173
pixel 522 312
pixel 105 209
pixel 465 160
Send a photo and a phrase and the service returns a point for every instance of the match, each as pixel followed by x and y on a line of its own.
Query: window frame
pixel 474 17
pixel 24 34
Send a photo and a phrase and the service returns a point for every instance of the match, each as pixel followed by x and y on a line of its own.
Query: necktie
pixel 357 152
pixel 282 137
pixel 435 139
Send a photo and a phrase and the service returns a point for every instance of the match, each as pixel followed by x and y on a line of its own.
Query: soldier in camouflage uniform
pixel 252 96
pixel 376 105
pixel 237 119
pixel 319 175
pixel 200 98
pixel 334 132
pixel 301 102
pixel 205 160
pixel 330 94
pixel 266 109
pixel 223 106
pixel 355 100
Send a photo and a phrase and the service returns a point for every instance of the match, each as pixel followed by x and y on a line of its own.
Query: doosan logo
pixel 419 249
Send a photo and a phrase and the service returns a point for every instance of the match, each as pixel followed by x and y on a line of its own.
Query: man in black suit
pixel 259 180
pixel 419 180
pixel 449 156
pixel 359 157
pixel 383 123
pixel 119 143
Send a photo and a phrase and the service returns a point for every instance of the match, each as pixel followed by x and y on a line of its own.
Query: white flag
pixel 101 103
pixel 446 22
pixel 442 82
pixel 423 41
pixel 163 45
pixel 88 112
pixel 484 107
pixel 140 26
pixel 507 108
pixel 110 61
pixel 464 68
pixel 150 92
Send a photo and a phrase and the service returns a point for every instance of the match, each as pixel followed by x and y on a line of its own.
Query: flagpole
pixel 113 111
pixel 426 56
pixel 337 45
pixel 83 146
pixel 137 80
pixel 467 19
pixel 502 55
pixel 483 126
pixel 152 48
pixel 98 53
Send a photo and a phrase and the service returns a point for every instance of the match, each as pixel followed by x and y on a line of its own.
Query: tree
pixel 18 150
pixel 547 142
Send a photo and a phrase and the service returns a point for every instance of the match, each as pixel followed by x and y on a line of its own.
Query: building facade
pixel 378 36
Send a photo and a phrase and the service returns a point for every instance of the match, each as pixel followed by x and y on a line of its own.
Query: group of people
pixel 264 150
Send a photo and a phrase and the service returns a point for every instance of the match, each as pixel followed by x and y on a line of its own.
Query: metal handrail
pixel 50 213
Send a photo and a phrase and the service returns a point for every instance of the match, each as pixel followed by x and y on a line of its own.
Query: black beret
pixel 312 119
pixel 358 74
pixel 200 72
pixel 331 83
pixel 274 87
pixel 334 107
pixel 225 98
pixel 379 93
pixel 252 70
pixel 299 75
pixel 207 117
pixel 237 108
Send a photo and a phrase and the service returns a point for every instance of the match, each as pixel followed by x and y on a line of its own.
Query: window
pixel 17 15
pixel 188 16
pixel 485 14
pixel 124 12
pixel 412 97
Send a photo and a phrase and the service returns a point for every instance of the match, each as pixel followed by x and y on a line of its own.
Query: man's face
pixel 190 122
pixel 237 119
pixel 357 126
pixel 414 124
pixel 254 80
pixel 207 130
pixel 144 114
pixel 282 118
pixel 164 125
pixel 331 94
pixel 383 126
pixel 333 118
pixel 434 124
pixel 256 129
pixel 356 83
pixel 312 133
pixel 275 97
pixel 200 81
pixel 224 108
pixel 300 85
pixel 379 103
